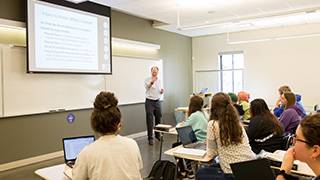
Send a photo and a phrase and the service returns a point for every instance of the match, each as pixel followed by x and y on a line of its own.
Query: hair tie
pixel 107 106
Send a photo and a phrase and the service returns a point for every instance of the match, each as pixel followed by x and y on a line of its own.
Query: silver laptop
pixel 188 138
pixel 72 146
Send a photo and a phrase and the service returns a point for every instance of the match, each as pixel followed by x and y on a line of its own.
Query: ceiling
pixel 205 17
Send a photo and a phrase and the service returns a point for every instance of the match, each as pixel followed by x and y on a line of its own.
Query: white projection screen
pixel 64 37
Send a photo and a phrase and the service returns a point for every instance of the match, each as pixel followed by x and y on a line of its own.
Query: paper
pixel 190 151
pixel 163 126
pixel 68 171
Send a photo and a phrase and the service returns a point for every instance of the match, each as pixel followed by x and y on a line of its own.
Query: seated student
pixel 243 98
pixel 226 138
pixel 198 121
pixel 234 100
pixel 197 118
pixel 111 156
pixel 306 148
pixel 290 118
pixel 279 108
pixel 264 130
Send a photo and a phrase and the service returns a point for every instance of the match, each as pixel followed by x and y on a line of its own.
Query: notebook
pixel 254 169
pixel 188 138
pixel 72 146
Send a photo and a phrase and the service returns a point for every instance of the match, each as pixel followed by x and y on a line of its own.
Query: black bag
pixel 162 170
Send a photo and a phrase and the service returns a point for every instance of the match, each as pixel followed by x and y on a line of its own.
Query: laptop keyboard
pixel 196 145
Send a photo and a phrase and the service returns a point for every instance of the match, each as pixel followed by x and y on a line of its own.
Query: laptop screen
pixel 72 146
pixel 186 135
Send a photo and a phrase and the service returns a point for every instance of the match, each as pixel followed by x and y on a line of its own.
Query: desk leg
pixel 161 142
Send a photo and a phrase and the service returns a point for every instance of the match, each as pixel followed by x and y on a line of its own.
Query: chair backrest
pixel 287 141
pixel 254 169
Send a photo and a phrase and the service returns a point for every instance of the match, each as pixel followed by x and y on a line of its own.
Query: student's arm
pixel 212 146
pixel 287 164
pixel 80 170
pixel 253 129
pixel 285 119
pixel 278 111
pixel 191 120
pixel 139 156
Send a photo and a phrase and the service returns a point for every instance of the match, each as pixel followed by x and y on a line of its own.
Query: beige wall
pixel 269 64
pixel 28 136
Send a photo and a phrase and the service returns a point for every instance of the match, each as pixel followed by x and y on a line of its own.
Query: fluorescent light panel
pixel 274 38
pixel 77 1
pixel 288 19
pixel 134 45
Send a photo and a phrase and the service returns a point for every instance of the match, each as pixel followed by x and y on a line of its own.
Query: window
pixel 231 66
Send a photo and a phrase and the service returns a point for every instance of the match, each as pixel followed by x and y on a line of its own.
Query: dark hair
pixel 284 89
pixel 310 128
pixel 224 112
pixel 106 115
pixel 259 107
pixel 196 103
pixel 291 99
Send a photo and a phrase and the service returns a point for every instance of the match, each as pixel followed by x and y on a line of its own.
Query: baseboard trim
pixel 137 135
pixel 45 157
pixel 28 161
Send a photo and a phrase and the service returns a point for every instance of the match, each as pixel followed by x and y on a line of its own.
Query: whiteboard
pixel 128 76
pixel 207 79
pixel 38 93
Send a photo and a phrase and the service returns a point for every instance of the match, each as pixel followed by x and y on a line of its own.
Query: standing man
pixel 152 105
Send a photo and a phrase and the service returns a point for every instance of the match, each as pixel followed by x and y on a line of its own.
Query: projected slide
pixel 67 40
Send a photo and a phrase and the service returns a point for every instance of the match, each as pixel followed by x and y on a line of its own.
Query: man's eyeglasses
pixel 295 139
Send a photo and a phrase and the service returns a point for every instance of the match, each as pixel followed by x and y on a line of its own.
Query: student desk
pixel 52 172
pixel 170 152
pixel 171 131
pixel 205 160
pixel 303 168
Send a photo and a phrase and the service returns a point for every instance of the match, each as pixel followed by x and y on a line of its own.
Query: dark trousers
pixel 213 172
pixel 153 109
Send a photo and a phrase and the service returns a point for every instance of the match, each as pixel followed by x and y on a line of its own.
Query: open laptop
pixel 188 138
pixel 254 169
pixel 72 146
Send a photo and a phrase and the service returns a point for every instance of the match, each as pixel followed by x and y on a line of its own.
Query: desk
pixel 52 172
pixel 170 152
pixel 171 131
pixel 303 168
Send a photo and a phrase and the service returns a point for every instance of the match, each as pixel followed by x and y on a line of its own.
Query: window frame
pixel 221 70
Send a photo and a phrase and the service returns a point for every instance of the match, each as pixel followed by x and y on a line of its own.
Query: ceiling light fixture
pixel 77 1
pixel 265 20
pixel 134 45
pixel 271 38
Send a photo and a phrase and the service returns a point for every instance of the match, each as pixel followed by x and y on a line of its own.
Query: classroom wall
pixel 269 64
pixel 27 136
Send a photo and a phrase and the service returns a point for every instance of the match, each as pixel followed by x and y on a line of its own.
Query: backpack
pixel 162 170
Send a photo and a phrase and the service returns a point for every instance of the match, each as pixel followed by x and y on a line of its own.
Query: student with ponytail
pixel 111 156
pixel 226 138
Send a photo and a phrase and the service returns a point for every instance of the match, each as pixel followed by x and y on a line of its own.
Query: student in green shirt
pixel 197 119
